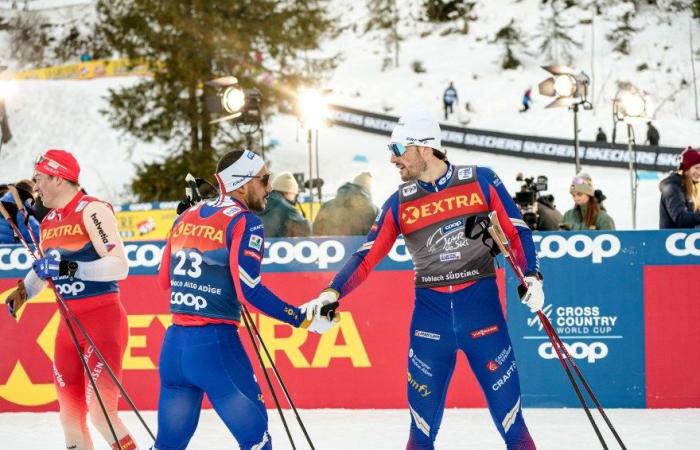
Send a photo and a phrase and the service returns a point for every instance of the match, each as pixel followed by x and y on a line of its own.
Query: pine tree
pixel 28 38
pixel 622 34
pixel 384 16
pixel 556 41
pixel 512 39
pixel 440 11
pixel 185 43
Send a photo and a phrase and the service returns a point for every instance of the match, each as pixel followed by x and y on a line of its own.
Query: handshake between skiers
pixel 320 313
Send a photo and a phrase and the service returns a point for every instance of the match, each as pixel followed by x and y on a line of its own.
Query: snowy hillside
pixel 45 114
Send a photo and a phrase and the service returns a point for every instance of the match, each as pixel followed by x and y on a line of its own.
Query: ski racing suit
pixel 211 263
pixel 457 305
pixel 85 231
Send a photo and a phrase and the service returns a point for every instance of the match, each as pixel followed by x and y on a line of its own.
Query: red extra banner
pixel 361 363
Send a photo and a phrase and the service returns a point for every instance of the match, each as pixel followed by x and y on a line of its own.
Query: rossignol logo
pixel 484 331
pixel 683 244
pixel 578 246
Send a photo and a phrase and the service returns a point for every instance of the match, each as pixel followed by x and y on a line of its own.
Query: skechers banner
pixel 659 159
pixel 618 300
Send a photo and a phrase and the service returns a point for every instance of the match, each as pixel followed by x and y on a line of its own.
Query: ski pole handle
pixel 328 311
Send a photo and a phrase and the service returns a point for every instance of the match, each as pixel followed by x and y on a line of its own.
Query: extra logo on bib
pixel 450 203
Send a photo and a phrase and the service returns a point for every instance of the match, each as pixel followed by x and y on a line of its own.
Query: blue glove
pixel 47 267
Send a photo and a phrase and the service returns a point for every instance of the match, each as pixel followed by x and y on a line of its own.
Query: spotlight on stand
pixel 225 96
pixel 312 111
pixel 631 105
pixel 571 91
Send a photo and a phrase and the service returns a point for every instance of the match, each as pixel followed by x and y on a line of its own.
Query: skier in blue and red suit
pixel 457 305
pixel 211 263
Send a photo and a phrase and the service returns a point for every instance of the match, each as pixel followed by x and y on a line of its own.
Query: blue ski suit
pixel 211 263
pixel 457 306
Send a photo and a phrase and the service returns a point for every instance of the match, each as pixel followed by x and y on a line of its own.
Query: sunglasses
pixel 50 161
pixel 264 178
pixel 398 149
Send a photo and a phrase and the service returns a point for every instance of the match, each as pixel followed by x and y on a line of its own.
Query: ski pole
pixel 61 301
pixel 499 237
pixel 74 338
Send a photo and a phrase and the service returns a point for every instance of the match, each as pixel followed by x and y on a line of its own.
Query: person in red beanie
pixel 680 194
pixel 85 257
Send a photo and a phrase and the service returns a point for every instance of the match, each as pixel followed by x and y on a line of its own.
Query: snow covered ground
pixel 65 114
pixel 333 429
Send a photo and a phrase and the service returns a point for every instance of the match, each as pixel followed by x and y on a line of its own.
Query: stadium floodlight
pixel 571 91
pixel 312 111
pixel 312 106
pixel 631 105
pixel 225 96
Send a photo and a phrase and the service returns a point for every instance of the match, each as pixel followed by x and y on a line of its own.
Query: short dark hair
pixel 440 155
pixel 228 160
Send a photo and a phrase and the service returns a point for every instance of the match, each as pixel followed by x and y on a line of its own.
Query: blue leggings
pixel 208 359
pixel 471 321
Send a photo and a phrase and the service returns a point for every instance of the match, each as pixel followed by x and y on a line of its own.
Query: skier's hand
pixel 47 267
pixel 533 294
pixel 320 325
pixel 16 299
pixel 312 308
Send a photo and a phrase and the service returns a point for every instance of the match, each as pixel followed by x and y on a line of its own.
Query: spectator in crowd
pixel 601 136
pixel 588 212
pixel 351 212
pixel 7 236
pixel 281 218
pixel 680 194
pixel 527 99
pixel 652 134
pixel 448 99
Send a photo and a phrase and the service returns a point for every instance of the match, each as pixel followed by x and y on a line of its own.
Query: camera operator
pixel 539 211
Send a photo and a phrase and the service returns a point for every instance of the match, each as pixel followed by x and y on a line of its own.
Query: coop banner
pixel 604 327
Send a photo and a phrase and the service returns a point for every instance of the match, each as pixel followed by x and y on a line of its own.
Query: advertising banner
pixel 623 302
pixel 536 147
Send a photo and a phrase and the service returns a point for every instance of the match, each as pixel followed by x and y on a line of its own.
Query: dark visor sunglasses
pixel 264 178
pixel 398 149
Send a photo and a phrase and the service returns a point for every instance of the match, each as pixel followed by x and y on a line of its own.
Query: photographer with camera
pixel 588 212
pixel 539 212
